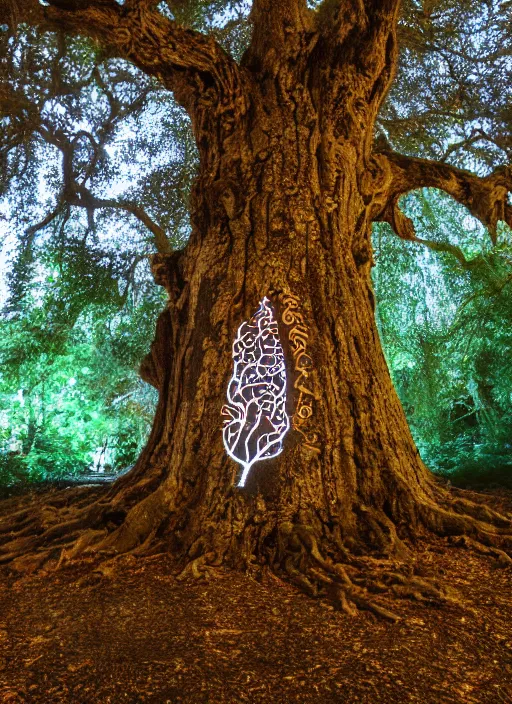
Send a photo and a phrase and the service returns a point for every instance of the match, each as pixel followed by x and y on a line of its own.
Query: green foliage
pixel 80 306
pixel 69 387
pixel 452 96
pixel 447 334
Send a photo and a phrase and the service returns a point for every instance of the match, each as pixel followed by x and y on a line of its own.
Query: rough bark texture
pixel 289 185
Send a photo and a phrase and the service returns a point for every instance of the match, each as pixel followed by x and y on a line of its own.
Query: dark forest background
pixel 96 162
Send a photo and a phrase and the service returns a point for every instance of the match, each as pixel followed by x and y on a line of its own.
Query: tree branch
pixel 357 37
pixel 445 247
pixel 33 229
pixel 85 199
pixel 74 191
pixel 338 17
pixel 280 27
pixel 183 59
pixel 486 197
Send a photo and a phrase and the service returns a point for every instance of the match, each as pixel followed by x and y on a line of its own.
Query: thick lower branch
pixel 485 197
pixel 182 58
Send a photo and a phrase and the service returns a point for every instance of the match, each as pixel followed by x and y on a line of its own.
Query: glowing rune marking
pixel 298 336
pixel 255 415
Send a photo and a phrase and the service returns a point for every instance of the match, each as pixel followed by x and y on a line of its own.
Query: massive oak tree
pixel 290 180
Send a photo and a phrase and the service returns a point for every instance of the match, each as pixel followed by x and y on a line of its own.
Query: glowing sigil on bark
pixel 255 415
pixel 298 337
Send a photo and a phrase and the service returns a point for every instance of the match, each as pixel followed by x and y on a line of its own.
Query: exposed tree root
pixel 351 584
pixel 63 527
pixel 356 583
pixel 75 520
pixel 323 565
pixel 198 568
pixel 50 523
pixel 479 523
pixel 502 559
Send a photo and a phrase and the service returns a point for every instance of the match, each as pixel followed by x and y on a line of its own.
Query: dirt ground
pixel 137 634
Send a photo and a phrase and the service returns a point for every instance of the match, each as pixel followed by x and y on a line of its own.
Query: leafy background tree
pixel 97 161
pixel 444 317
pixel 69 384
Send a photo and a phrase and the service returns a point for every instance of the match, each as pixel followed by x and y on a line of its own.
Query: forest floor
pixel 138 635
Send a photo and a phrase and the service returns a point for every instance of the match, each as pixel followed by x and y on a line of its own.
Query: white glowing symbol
pixel 256 420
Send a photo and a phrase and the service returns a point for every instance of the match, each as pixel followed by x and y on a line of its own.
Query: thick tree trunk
pixel 283 211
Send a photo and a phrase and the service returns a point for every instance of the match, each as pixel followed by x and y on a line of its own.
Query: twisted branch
pixel 178 56
pixel 485 197
pixel 361 34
